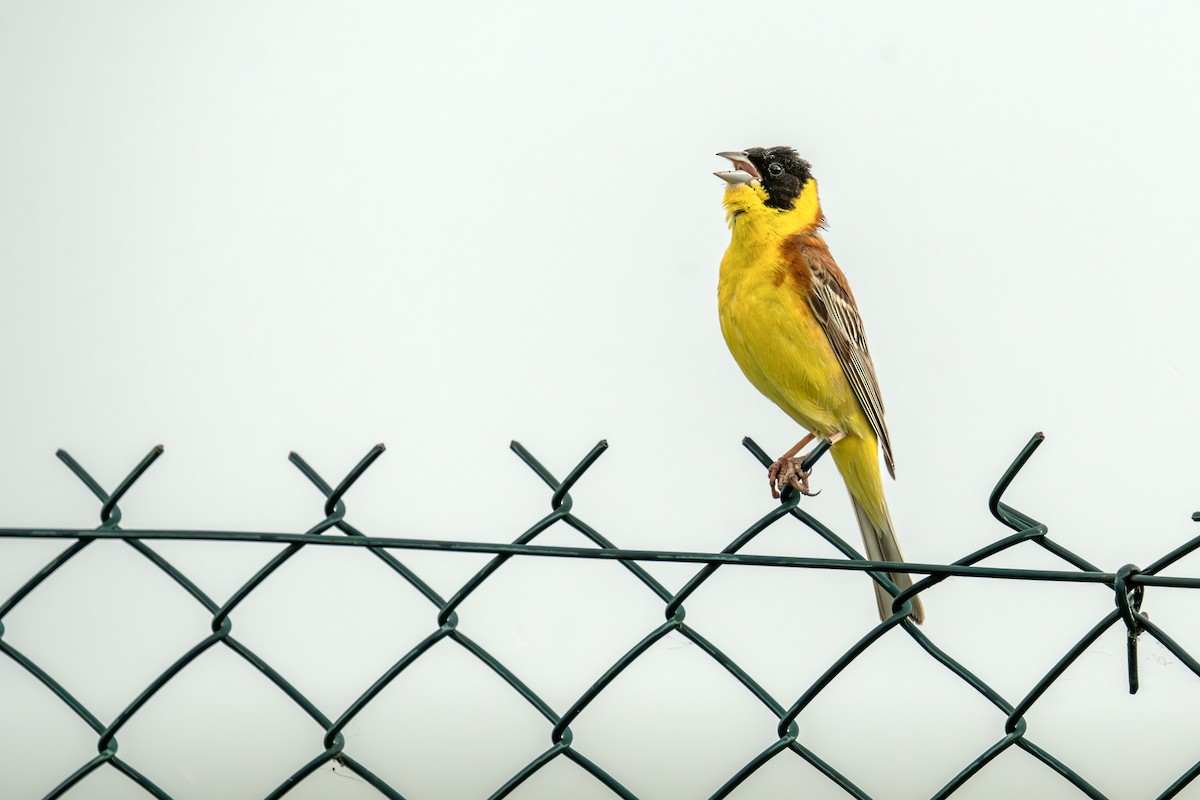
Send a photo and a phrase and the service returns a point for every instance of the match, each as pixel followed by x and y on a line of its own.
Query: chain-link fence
pixel 1128 585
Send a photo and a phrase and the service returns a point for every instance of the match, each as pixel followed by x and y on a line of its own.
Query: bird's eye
pixel 775 169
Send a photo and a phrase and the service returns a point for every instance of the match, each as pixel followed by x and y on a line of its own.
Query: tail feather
pixel 881 545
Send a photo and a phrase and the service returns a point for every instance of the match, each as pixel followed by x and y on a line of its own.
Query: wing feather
pixel 833 304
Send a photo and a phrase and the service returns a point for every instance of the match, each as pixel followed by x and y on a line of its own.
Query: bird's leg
pixel 786 471
pixel 799 445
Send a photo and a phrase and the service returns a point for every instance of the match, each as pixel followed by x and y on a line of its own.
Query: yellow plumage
pixel 772 334
pixel 767 317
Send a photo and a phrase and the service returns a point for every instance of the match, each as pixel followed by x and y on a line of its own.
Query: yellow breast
pixel 769 327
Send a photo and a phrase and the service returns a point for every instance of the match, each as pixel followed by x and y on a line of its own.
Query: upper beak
pixel 743 171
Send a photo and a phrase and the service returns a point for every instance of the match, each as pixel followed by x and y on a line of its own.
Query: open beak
pixel 743 171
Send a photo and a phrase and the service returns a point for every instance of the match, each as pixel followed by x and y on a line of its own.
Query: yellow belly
pixel 780 346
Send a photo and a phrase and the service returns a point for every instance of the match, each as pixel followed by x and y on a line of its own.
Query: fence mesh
pixel 1128 585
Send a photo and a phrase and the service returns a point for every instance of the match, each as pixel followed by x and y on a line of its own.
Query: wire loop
pixel 1129 603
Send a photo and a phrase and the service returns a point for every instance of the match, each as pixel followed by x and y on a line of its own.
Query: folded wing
pixel 833 305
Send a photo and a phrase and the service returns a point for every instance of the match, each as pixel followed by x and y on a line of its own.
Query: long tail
pixel 881 544
pixel 858 461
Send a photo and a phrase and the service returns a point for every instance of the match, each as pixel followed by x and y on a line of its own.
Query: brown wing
pixel 833 305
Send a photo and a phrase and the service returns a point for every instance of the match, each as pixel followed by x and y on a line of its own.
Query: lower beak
pixel 734 176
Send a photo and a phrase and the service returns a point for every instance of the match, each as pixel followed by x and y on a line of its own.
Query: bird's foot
pixel 789 472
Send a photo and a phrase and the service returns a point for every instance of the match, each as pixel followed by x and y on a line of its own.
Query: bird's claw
pixel 789 472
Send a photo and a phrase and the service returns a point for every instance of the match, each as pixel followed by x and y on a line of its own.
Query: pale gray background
pixel 241 228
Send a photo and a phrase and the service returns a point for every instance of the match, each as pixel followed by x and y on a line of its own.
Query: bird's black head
pixel 782 173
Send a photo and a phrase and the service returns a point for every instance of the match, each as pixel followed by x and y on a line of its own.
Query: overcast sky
pixel 240 229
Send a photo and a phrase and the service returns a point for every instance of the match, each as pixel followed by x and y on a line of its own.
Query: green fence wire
pixel 1128 585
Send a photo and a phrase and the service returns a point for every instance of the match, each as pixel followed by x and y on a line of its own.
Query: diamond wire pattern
pixel 1128 584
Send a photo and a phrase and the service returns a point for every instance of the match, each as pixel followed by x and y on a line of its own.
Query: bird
pixel 792 325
